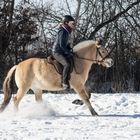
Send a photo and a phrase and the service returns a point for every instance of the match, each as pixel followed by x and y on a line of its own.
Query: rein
pixel 87 59
pixel 92 59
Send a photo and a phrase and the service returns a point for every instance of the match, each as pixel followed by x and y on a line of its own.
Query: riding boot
pixel 66 76
pixel 66 69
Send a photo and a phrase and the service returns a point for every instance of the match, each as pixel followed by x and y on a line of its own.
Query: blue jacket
pixel 61 44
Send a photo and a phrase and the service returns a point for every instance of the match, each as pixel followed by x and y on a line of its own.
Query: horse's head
pixel 102 56
pixel 92 51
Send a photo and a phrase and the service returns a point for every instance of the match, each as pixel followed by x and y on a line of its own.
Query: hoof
pixel 78 102
pixel 2 107
pixel 94 113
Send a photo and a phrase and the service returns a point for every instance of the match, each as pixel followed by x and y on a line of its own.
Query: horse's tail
pixel 7 88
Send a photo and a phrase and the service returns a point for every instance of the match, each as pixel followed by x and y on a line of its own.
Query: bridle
pixel 97 52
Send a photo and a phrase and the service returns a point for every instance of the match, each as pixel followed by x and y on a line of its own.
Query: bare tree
pixel 115 21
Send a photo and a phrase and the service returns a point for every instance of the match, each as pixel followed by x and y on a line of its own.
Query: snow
pixel 56 118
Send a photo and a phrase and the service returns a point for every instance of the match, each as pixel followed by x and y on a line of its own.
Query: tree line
pixel 29 27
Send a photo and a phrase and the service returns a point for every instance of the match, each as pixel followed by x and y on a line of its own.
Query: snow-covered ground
pixel 58 119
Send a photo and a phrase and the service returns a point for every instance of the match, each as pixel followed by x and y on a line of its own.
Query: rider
pixel 62 51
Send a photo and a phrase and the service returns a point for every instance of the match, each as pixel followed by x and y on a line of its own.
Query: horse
pixel 37 74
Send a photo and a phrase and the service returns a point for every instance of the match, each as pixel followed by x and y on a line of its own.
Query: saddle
pixel 57 65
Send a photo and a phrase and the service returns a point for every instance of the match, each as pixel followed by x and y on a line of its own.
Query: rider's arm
pixel 63 41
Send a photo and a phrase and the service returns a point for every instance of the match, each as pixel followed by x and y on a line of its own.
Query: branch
pixel 77 11
pixel 68 6
pixel 112 19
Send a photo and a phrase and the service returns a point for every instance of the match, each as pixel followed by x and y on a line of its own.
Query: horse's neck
pixel 82 68
pixel 83 64
pixel 85 52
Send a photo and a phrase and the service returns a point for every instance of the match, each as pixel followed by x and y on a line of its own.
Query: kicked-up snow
pixel 56 118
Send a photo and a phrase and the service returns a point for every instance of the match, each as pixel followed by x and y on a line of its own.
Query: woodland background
pixel 29 27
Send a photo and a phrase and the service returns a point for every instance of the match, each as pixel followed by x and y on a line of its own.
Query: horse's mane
pixel 83 44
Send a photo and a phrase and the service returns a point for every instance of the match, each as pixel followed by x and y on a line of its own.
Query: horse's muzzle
pixel 108 62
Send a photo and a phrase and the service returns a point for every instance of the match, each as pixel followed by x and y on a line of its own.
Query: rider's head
pixel 69 20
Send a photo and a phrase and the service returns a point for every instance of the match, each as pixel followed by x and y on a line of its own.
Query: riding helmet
pixel 68 18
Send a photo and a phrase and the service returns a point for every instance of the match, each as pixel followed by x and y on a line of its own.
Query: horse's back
pixel 27 69
pixel 37 72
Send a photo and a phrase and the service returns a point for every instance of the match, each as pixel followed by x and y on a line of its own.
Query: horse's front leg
pixel 84 96
pixel 93 112
pixel 80 102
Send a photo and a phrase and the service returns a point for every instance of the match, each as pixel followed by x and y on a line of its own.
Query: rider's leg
pixel 66 69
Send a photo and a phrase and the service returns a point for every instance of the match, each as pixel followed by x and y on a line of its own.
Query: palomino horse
pixel 37 74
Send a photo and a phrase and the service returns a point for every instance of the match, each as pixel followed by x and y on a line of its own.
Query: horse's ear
pixel 97 44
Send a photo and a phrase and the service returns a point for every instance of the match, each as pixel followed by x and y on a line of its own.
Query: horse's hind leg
pixel 38 95
pixel 84 96
pixel 20 93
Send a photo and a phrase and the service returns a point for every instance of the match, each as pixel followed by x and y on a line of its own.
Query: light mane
pixel 83 44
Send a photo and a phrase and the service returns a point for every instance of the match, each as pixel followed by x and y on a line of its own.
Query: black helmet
pixel 67 18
